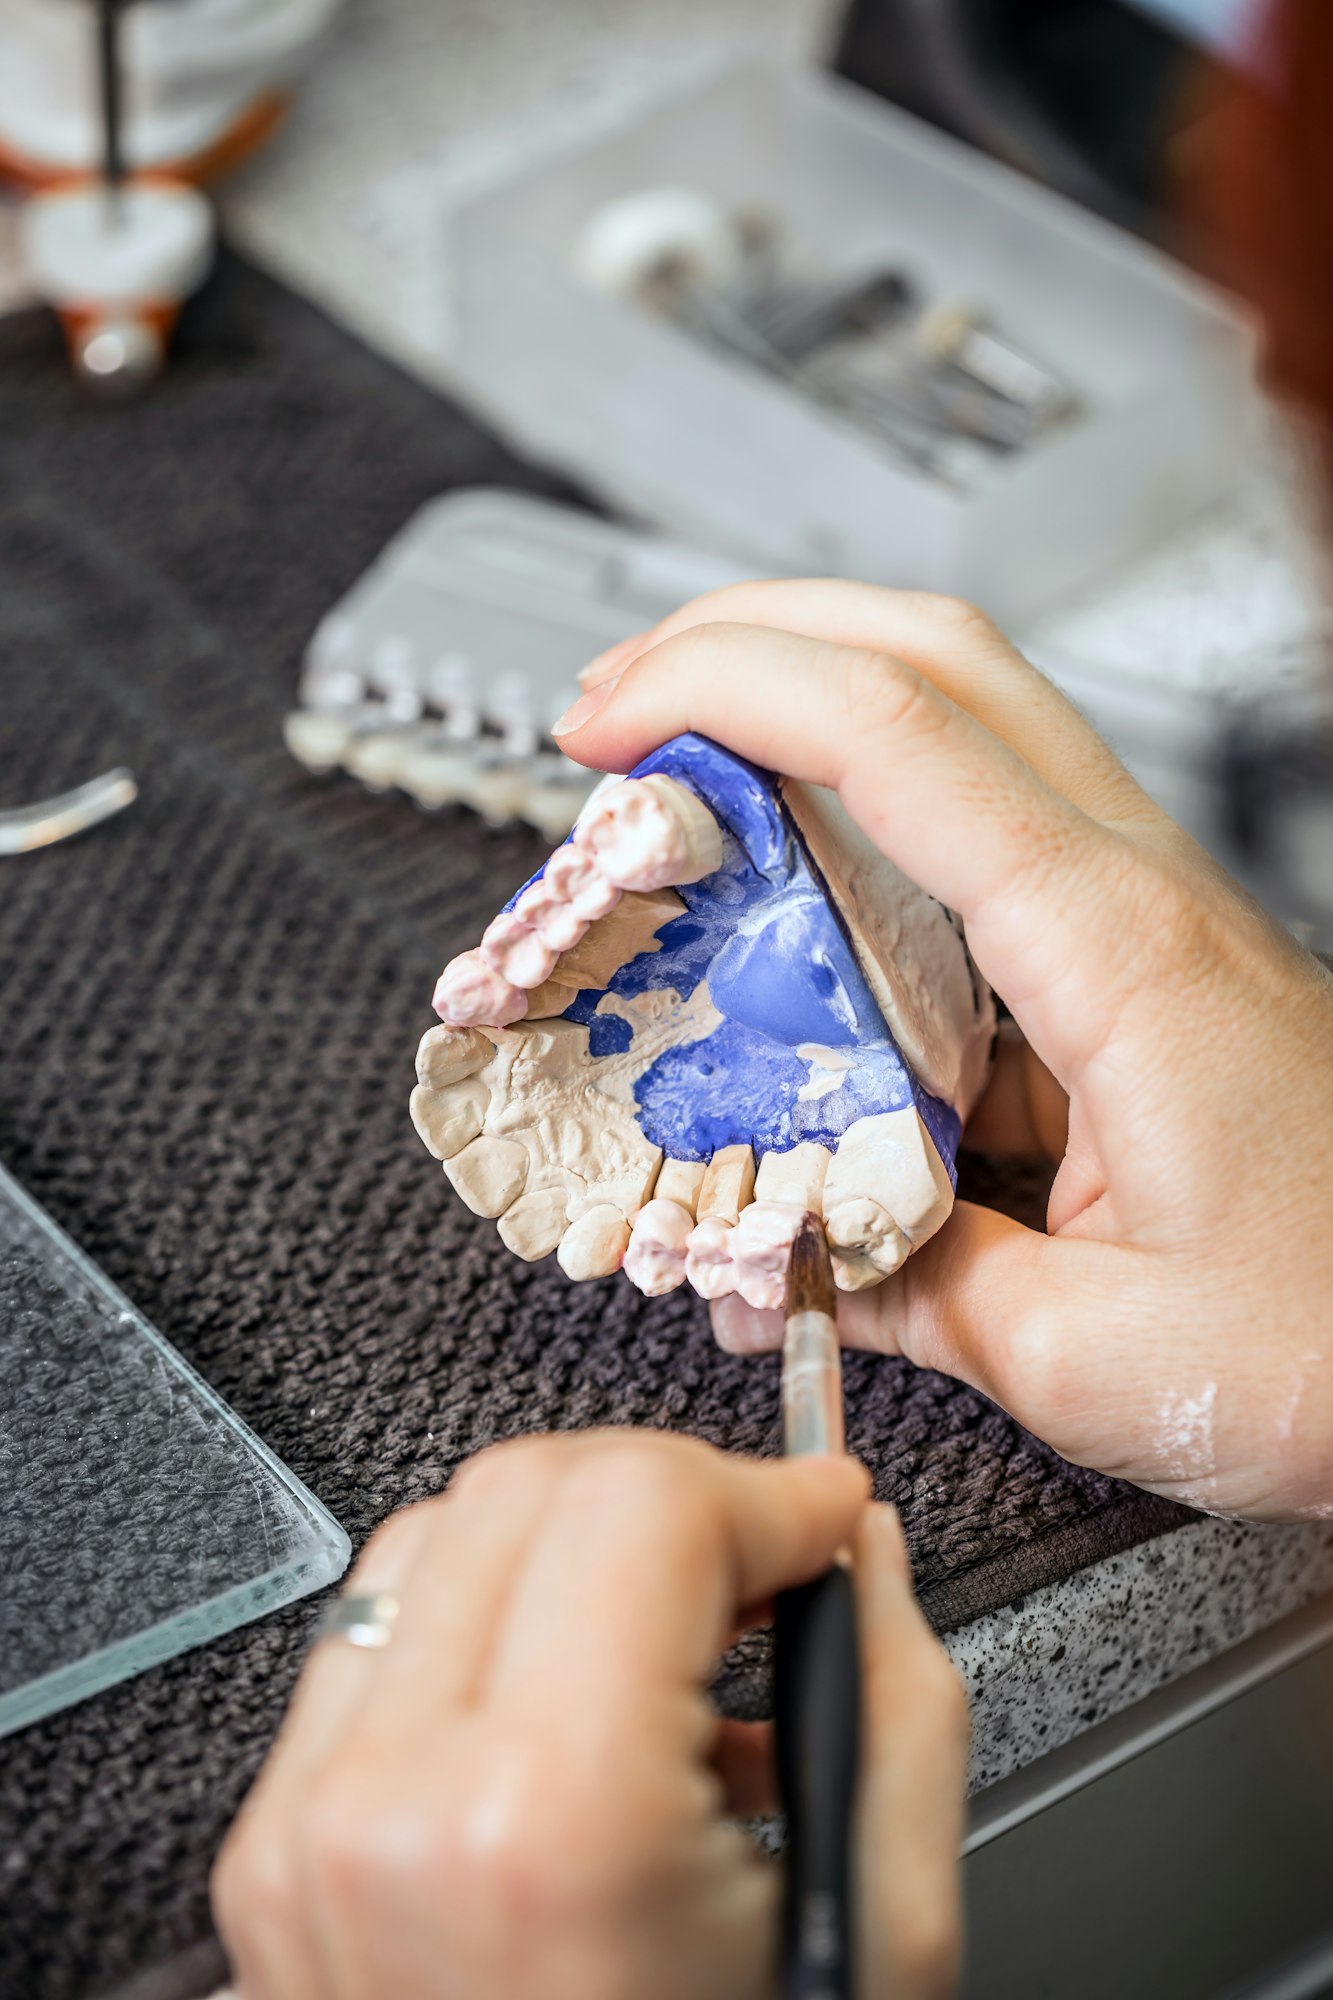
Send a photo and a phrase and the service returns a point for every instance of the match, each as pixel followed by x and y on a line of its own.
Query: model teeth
pixel 532 1137
pixel 470 993
pixel 655 1258
pixel 488 1174
pixel 447 1054
pixel 650 833
pixel 595 1245
pixel 447 1119
pixel 517 951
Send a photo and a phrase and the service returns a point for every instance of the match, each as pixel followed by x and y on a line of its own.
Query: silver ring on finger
pixel 361 1618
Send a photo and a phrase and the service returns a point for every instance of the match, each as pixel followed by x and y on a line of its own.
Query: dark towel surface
pixel 210 1010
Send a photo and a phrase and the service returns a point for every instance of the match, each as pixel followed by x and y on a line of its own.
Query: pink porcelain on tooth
pixel 555 921
pixel 514 949
pixel 761 1252
pixel 469 993
pixel 709 1263
pixel 576 878
pixel 655 1259
pixel 637 839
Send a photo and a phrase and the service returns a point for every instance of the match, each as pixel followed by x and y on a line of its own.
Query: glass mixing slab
pixel 138 1515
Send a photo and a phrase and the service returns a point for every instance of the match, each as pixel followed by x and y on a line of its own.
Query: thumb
pixel 914 1758
pixel 983 1300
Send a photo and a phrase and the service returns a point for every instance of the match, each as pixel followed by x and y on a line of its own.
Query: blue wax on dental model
pixel 765 936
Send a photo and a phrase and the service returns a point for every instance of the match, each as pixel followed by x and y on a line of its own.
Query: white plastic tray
pixel 716 451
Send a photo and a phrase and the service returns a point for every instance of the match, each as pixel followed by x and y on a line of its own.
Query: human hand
pixel 527 1792
pixel 1173 1326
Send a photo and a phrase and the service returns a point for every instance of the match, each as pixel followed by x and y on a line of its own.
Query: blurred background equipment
pixel 659 379
pixel 109 110
pixel 441 671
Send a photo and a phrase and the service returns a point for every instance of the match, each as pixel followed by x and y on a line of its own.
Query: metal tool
pixel 817 1699
pixel 49 820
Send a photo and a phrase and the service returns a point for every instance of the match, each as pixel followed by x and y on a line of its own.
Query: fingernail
pixel 743 1329
pixel 584 708
pixel 612 660
pixel 887 1528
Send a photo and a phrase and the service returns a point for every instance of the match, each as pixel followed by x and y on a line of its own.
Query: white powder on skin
pixel 1185 1434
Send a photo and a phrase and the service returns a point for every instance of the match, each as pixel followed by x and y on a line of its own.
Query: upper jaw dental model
pixel 716 1007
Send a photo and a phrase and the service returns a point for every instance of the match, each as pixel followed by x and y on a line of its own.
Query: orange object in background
pixel 1259 188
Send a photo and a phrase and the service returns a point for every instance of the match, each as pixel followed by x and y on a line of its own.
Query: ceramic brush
pixel 817 1696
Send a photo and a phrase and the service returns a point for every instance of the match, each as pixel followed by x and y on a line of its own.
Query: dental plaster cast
pixel 715 1008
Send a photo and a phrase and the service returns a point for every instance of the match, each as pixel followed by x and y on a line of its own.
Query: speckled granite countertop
pixel 414 108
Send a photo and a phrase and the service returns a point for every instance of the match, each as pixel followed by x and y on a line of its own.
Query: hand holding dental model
pixel 1174 1325
pixel 716 1007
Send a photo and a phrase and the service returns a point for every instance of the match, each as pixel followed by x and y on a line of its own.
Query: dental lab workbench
pixel 214 999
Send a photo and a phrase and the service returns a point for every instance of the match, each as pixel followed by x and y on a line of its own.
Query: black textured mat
pixel 210 1008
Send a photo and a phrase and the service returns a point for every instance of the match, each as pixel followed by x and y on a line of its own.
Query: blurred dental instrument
pixel 24 828
pixel 110 111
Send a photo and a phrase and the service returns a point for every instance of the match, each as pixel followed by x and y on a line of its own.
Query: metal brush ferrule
pixel 812 1415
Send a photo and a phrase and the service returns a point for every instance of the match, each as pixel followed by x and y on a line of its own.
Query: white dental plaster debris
pixel 655 1259
pixel 1185 1434
pixel 909 947
pixel 828 1067
pixel 650 833
pixel 595 1245
pixel 471 993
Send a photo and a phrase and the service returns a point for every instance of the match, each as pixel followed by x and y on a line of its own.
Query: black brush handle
pixel 817 1708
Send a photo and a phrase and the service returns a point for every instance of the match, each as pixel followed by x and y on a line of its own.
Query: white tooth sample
pixel 445 1055
pixel 575 878
pixel 469 993
pixel 794 1176
pixel 551 915
pixel 533 1225
pixel 727 1185
pixel 761 1251
pixel 864 1228
pixel 489 1174
pixel 649 833
pixel 910 948
pixel 446 1119
pixel 709 1264
pixel 655 1259
pixel 891 1159
pixel 516 951
pixel 595 1245
pixel 680 1181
